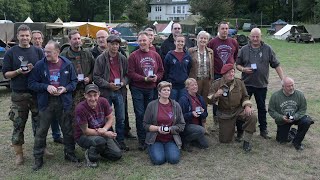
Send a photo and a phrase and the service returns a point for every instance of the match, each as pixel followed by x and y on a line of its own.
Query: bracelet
pixel 18 72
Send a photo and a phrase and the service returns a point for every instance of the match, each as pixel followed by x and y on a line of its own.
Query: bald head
pixel 255 37
pixel 288 86
pixel 102 36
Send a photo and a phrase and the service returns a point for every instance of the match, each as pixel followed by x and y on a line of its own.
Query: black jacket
pixel 168 45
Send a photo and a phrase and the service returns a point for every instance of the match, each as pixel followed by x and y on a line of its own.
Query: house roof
pixel 168 2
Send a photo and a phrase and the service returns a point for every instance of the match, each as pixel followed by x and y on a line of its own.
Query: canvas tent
pixel 167 30
pixel 314 30
pixel 190 23
pixel 283 33
pixel 7 32
pixel 28 20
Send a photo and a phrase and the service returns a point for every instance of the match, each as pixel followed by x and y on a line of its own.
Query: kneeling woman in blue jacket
pixel 163 121
pixel 195 113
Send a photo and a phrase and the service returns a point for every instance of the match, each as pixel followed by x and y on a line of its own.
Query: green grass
pixel 268 160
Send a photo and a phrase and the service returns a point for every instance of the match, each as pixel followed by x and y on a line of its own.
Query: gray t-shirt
pixel 261 58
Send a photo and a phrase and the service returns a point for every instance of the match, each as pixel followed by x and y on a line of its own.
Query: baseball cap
pixel 91 87
pixel 113 38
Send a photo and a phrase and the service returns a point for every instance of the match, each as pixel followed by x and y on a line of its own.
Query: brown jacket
pixel 234 103
pixel 194 66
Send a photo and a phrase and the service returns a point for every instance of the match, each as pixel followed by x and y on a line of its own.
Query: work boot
pixel 129 135
pixel 246 146
pixel 239 136
pixel 71 157
pixel 19 154
pixel 38 163
pixel 47 153
pixel 264 134
pixel 123 146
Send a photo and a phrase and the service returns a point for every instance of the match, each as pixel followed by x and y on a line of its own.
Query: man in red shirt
pixel 145 69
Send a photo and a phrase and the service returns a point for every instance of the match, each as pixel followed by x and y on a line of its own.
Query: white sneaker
pixel 89 163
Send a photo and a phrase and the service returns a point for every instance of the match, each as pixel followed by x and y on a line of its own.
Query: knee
pixel 157 160
pixel 173 159
pixel 116 156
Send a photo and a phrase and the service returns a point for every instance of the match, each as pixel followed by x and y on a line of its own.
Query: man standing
pixel 225 49
pixel 253 61
pixel 101 46
pixel 145 69
pixel 94 120
pixel 288 107
pixel 233 104
pixel 37 40
pixel 110 74
pixel 53 79
pixel 82 60
pixel 17 64
pixel 168 44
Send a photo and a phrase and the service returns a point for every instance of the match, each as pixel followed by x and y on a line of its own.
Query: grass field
pixel 268 160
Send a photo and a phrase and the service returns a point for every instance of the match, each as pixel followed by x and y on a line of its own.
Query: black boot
pixel 246 146
pixel 38 163
pixel 239 136
pixel 71 157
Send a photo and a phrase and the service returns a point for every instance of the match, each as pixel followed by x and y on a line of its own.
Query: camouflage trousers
pixel 52 112
pixel 22 103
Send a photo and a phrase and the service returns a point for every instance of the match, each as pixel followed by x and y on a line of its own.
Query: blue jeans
pixel 176 94
pixel 303 126
pixel 140 98
pixel 56 133
pixel 116 99
pixel 164 152
pixel 260 95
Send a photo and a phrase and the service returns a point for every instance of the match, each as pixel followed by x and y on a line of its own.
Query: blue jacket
pixel 39 80
pixel 186 106
pixel 175 71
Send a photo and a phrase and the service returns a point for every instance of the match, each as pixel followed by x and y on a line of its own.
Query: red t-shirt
pixel 139 64
pixel 165 118
pixel 95 118
pixel 153 48
pixel 194 103
pixel 179 55
pixel 54 70
pixel 225 52
pixel 114 68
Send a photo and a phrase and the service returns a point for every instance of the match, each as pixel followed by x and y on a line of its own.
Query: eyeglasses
pixel 176 28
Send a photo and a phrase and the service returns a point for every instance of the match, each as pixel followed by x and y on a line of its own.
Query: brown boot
pixel 19 154
pixel 48 153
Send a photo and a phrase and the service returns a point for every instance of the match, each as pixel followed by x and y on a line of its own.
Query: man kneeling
pixel 93 127
pixel 288 107
pixel 231 96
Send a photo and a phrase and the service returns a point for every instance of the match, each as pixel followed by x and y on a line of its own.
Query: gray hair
pixel 203 33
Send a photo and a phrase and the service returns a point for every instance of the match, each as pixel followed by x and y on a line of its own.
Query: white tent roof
pixel 28 20
pixel 284 32
pixel 58 21
pixel 167 30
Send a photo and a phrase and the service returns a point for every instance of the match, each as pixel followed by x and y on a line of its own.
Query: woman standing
pixel 163 121
pixel 202 64
pixel 194 110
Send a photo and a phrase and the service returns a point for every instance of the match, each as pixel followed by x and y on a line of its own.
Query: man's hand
pixel 218 93
pixel 113 87
pixel 195 114
pixel 286 119
pixel 152 79
pixel 52 90
pixel 248 111
pixel 247 70
pixel 106 133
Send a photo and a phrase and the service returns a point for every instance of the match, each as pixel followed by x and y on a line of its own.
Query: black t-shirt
pixel 12 61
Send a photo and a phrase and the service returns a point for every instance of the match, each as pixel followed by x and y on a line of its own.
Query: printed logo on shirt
pixel 147 64
pixel 170 114
pixel 289 107
pixel 224 52
pixel 174 61
pixel 54 77
pixel 21 58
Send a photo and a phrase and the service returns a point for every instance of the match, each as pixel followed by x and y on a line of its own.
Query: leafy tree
pixel 213 11
pixel 137 13
pixel 15 10
pixel 50 10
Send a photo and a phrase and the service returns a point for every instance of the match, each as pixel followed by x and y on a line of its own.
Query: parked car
pixel 248 26
pixel 299 34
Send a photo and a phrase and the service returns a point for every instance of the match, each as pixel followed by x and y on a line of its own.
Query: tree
pixel 212 11
pixel 50 10
pixel 137 13
pixel 15 10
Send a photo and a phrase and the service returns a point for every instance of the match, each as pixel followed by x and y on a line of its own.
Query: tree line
pixel 307 11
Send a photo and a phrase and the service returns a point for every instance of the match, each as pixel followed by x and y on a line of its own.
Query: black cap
pixel 91 87
pixel 113 38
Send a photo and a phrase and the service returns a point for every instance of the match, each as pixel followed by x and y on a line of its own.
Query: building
pixel 167 10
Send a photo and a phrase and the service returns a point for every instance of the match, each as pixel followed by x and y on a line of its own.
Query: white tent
pixel 28 20
pixel 167 30
pixel 283 33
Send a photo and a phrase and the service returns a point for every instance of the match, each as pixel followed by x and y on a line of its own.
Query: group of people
pixel 170 88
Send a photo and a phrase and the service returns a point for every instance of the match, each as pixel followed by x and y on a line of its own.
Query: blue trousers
pixel 164 152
